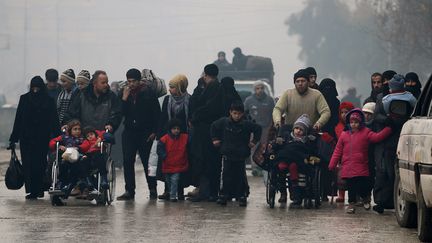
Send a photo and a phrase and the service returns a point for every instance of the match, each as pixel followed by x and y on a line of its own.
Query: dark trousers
pixel 96 160
pixel 133 142
pixel 233 180
pixel 357 186
pixel 384 181
pixel 210 178
pixel 34 161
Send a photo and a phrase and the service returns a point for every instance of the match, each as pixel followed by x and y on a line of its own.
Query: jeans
pixel 172 183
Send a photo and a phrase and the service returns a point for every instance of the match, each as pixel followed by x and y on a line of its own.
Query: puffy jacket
pixel 173 151
pixel 69 141
pixel 95 111
pixel 352 151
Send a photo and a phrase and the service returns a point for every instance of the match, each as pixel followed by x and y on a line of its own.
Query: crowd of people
pixel 204 138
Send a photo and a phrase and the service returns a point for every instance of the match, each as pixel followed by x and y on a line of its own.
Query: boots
pixel 298 197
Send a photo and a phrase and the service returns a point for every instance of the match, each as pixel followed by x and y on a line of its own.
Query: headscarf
pixel 179 103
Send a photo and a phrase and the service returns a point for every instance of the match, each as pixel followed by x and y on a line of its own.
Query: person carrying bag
pixel 14 178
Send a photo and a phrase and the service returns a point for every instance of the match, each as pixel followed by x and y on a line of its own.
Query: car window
pixel 422 107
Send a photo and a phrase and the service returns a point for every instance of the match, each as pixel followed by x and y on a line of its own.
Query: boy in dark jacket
pixel 232 135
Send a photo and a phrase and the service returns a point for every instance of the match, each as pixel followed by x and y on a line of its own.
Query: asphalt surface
pixel 145 220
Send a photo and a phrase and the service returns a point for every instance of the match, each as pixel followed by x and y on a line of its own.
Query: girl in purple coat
pixel 352 152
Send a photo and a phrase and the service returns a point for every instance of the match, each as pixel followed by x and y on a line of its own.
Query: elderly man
pixel 302 100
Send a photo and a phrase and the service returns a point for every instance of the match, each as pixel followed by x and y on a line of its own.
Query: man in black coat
pixel 97 106
pixel 377 87
pixel 142 111
pixel 206 161
pixel 36 121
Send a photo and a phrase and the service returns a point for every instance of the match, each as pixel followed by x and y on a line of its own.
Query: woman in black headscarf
pixel 328 140
pixel 412 84
pixel 36 121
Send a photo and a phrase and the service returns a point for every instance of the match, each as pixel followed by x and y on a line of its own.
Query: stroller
pixel 103 196
pixel 266 156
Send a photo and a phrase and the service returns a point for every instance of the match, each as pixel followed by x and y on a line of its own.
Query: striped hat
pixel 84 75
pixel 68 76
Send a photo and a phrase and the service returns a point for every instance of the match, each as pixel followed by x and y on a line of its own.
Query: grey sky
pixel 168 37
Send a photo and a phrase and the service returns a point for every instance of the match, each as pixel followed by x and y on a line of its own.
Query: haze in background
pixel 168 37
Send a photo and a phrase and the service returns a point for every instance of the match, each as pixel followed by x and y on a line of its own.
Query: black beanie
pixel 387 75
pixel 311 71
pixel 211 70
pixel 134 74
pixel 37 82
pixel 227 82
pixel 411 76
pixel 302 73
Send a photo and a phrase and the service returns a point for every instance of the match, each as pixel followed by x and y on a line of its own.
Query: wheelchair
pixel 278 181
pixel 103 196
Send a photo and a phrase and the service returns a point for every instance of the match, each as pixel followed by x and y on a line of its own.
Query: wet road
pixel 158 221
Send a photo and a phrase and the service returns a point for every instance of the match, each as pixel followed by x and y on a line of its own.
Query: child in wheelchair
pixel 293 151
pixel 79 158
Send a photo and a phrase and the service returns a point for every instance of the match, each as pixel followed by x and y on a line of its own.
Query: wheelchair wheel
pixel 316 187
pixel 270 190
pixel 110 194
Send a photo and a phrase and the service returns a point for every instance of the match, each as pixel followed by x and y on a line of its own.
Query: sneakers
pixel 378 208
pixel 126 197
pixel 242 202
pixel 367 205
pixel 31 196
pixel 350 209
pixel 75 192
pixel 283 197
pixel 193 193
pixel 164 196
pixel 173 200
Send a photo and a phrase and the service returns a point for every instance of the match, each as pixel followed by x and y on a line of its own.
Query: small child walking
pixel 233 135
pixel 352 151
pixel 172 149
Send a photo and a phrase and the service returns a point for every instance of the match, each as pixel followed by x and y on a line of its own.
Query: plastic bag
pixel 14 178
pixel 71 155
pixel 153 159
pixel 156 84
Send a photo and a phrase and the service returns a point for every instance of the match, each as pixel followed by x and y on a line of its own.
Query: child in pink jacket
pixel 352 152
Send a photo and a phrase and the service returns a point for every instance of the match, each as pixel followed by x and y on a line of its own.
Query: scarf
pixel 177 104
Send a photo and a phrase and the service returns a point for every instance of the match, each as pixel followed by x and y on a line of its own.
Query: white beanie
pixel 369 107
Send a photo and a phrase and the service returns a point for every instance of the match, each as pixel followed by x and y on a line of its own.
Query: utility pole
pixel 25 40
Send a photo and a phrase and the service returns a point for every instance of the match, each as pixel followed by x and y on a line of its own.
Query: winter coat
pixel 95 111
pixel 70 142
pixel 260 109
pixel 206 108
pixel 235 137
pixel 352 149
pixel 141 114
pixel 405 96
pixel 328 88
pixel 173 151
pixel 36 120
pixel 295 150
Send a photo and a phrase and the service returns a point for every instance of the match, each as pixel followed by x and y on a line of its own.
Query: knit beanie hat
pixel 68 76
pixel 258 83
pixel 180 82
pixel 304 123
pixel 211 70
pixel 346 105
pixel 302 73
pixel 369 107
pixel 134 74
pixel 311 71
pixel 84 76
pixel 411 76
pixel 397 83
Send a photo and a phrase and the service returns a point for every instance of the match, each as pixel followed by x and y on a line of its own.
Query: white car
pixel 413 182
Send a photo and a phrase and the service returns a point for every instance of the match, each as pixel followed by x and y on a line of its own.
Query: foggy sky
pixel 168 37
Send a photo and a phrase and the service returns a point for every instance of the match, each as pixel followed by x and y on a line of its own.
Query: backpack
pixel 156 84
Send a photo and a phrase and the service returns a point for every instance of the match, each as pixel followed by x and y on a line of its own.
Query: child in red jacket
pixel 172 149
pixel 344 108
pixel 352 151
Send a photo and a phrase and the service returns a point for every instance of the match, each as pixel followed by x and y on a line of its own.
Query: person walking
pixel 36 121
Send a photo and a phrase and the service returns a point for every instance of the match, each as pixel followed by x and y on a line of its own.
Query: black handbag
pixel 14 178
